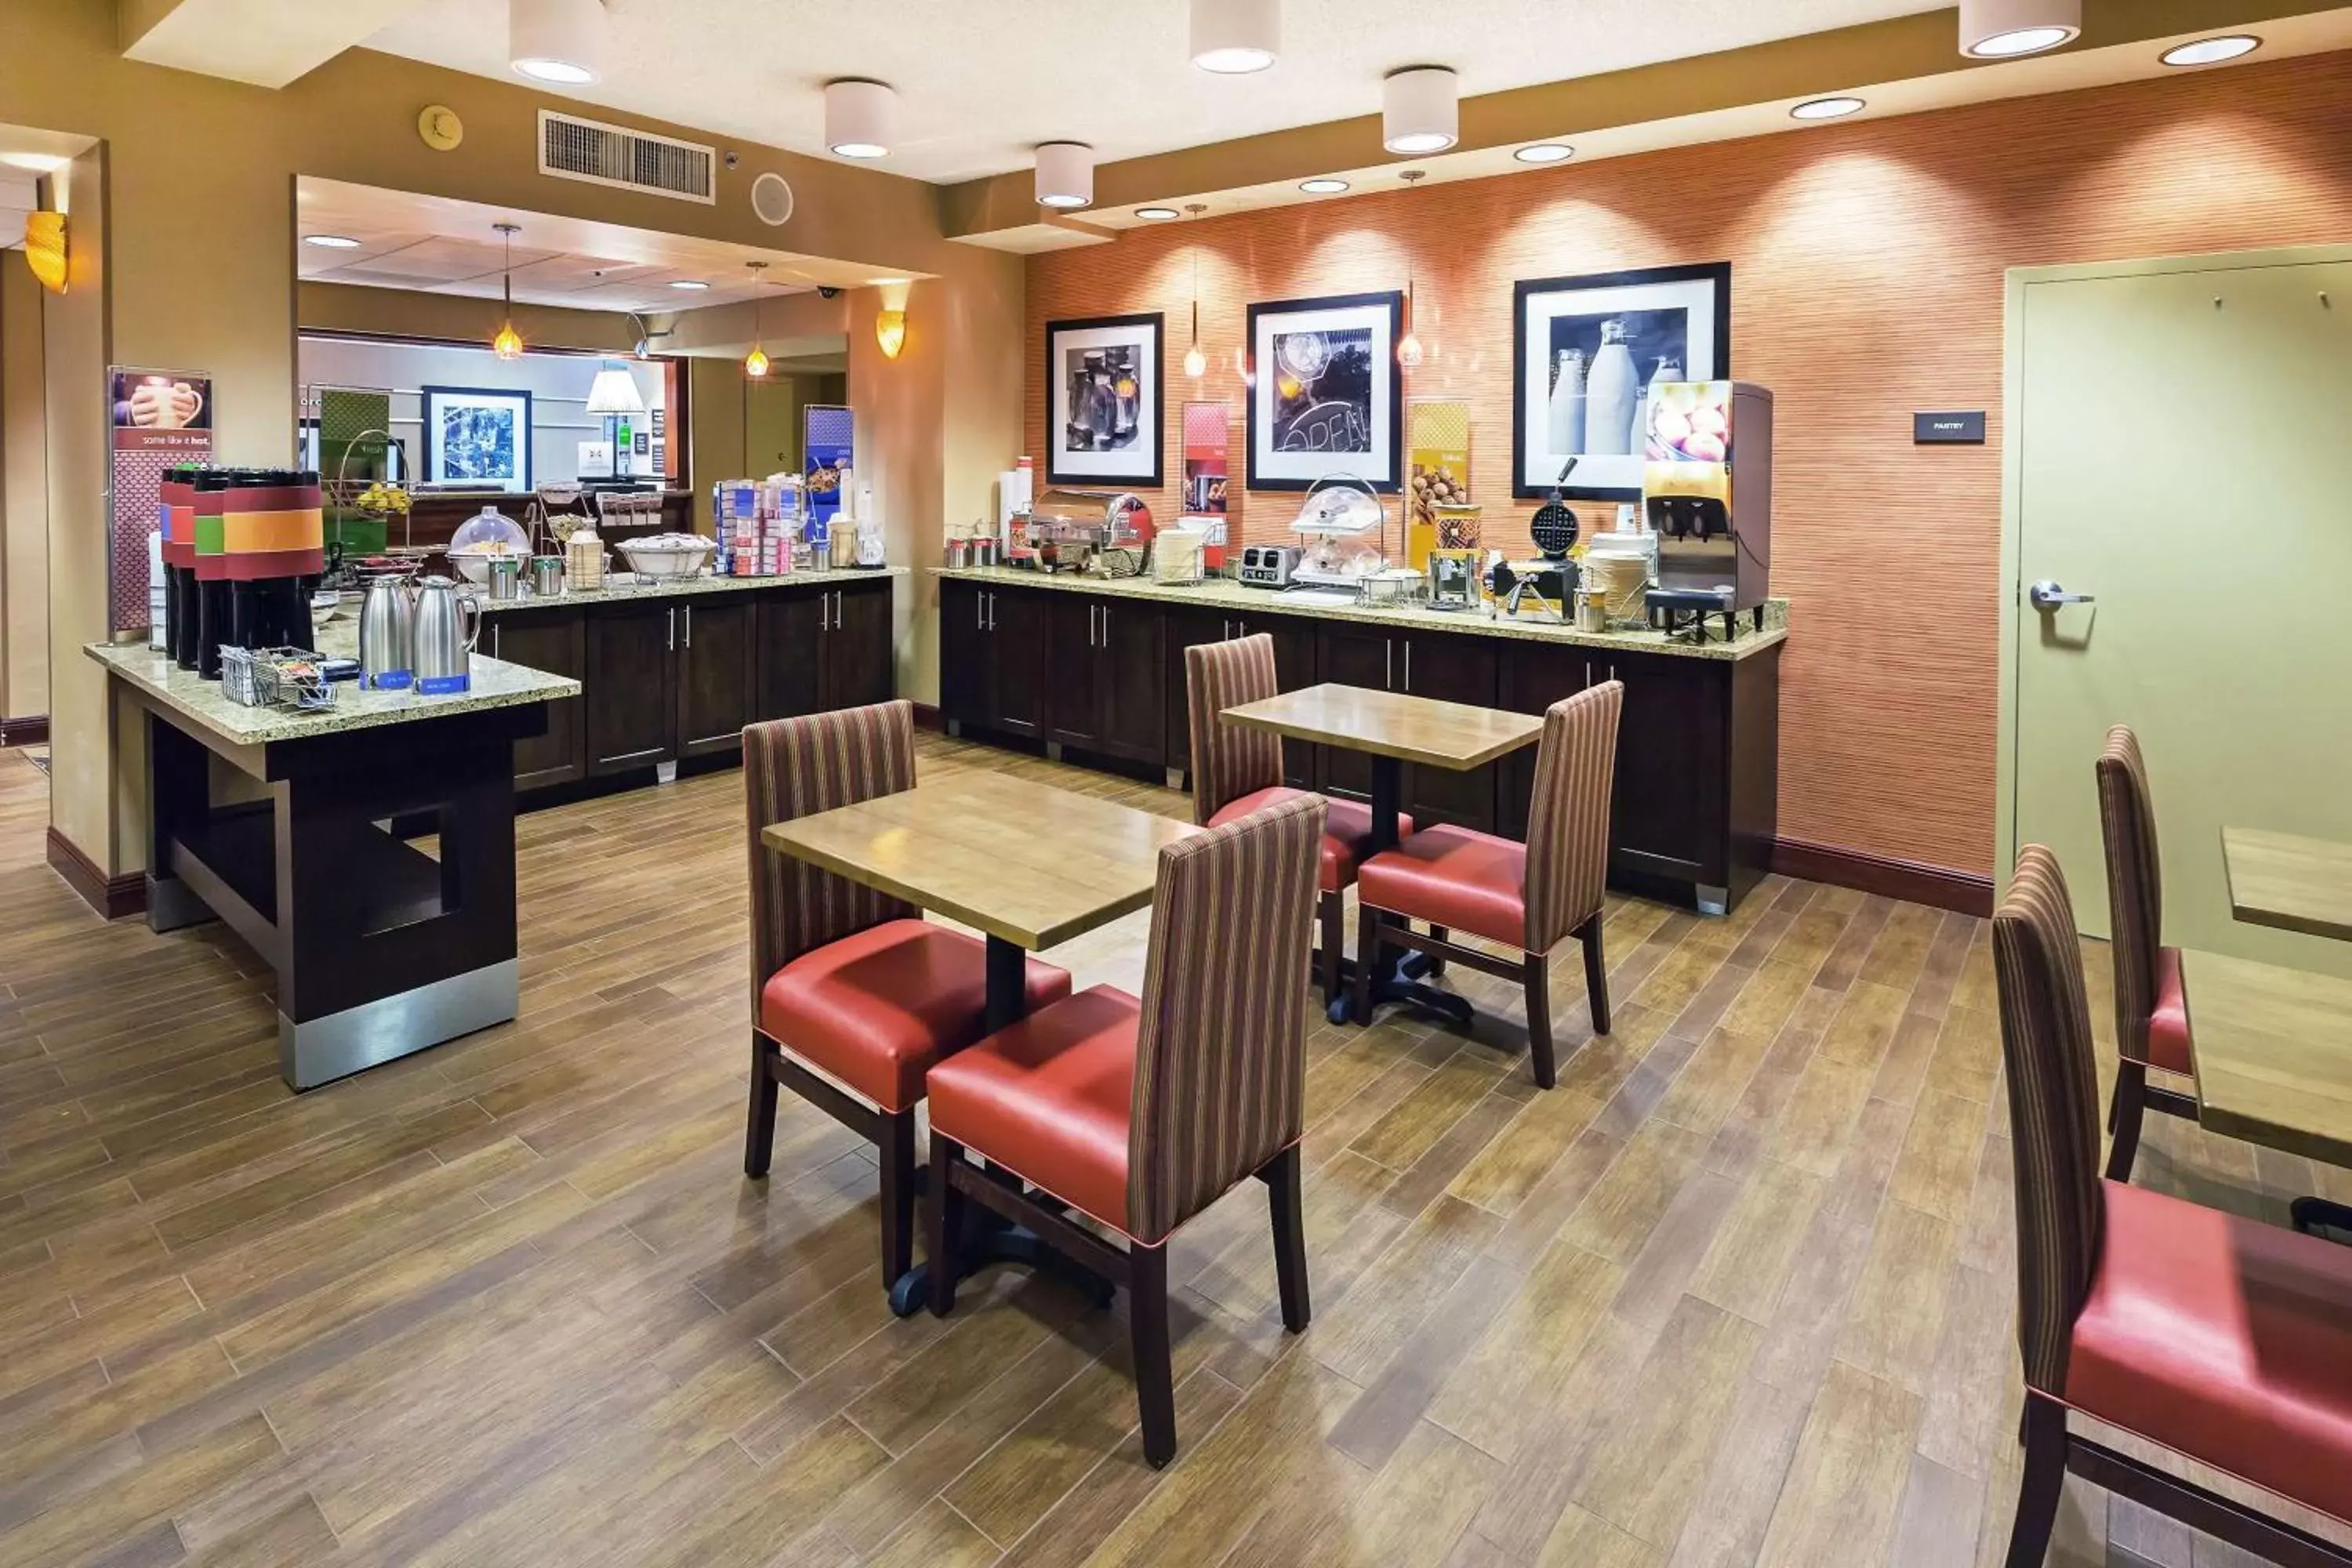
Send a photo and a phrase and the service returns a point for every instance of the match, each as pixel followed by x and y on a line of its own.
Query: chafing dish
pixel 1107 534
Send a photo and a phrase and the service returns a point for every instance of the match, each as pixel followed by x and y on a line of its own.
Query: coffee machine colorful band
pixel 257 547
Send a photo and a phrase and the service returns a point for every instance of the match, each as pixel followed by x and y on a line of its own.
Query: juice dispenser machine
pixel 1708 495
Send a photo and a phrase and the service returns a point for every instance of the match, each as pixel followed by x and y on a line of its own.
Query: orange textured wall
pixel 1867 282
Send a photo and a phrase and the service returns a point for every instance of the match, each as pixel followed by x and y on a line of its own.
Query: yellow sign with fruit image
pixel 1688 446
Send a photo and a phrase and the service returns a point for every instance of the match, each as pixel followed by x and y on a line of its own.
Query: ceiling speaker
pixel 771 199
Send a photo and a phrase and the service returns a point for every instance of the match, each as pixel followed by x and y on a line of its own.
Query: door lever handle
pixel 2048 595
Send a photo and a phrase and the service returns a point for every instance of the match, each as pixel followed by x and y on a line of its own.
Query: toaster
pixel 1266 565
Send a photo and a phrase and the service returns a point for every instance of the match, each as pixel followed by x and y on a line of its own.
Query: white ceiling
pixel 981 82
pixel 437 246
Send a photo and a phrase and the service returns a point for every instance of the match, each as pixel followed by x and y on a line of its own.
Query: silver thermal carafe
pixel 387 636
pixel 448 622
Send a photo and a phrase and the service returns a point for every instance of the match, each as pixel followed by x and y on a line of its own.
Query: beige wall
pixel 24 500
pixel 405 313
pixel 201 177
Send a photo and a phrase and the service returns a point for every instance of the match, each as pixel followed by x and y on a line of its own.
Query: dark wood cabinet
pixel 554 640
pixel 1181 628
pixel 716 679
pixel 786 678
pixel 1019 678
pixel 1349 655
pixel 1450 669
pixel 858 661
pixel 631 686
pixel 1128 691
pixel 1073 656
pixel 1294 666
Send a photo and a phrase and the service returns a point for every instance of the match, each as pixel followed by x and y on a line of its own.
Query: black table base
pixel 1399 982
pixel 989 1237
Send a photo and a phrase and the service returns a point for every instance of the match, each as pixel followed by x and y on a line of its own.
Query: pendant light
pixel 1196 362
pixel 2005 30
pixel 755 363
pixel 558 41
pixel 1408 349
pixel 858 116
pixel 508 344
pixel 1233 37
pixel 1420 110
pixel 1065 175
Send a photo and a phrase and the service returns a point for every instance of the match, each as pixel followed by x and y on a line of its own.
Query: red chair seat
pixel 2168 1027
pixel 878 1008
pixel 1346 830
pixel 1049 1098
pixel 2225 1338
pixel 1453 877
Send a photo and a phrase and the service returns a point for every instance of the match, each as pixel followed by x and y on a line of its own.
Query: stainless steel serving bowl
pixel 668 556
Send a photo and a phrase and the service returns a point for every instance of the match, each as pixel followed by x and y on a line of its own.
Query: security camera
pixel 827 291
pixel 734 159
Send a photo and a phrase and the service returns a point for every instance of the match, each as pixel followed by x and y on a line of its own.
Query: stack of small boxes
pixel 759 523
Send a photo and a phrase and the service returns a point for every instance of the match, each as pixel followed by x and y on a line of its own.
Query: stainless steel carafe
pixel 387 636
pixel 447 625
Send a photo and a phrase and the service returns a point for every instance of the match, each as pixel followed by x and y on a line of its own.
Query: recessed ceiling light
pixel 1325 187
pixel 1828 109
pixel 1544 153
pixel 40 162
pixel 2024 41
pixel 331 242
pixel 858 116
pixel 696 284
pixel 2211 51
pixel 1157 214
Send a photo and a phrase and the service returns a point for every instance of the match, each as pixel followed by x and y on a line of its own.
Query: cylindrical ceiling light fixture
pixel 1233 37
pixel 1420 110
pixel 2003 29
pixel 560 41
pixel 1065 175
pixel 858 117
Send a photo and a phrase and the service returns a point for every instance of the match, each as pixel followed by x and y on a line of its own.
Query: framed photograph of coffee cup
pixel 1324 399
pixel 1103 402
pixel 1585 351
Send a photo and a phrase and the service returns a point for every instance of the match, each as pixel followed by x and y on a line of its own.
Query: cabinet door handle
pixel 689 626
pixel 1408 664
pixel 991 612
pixel 673 628
pixel 1090 627
pixel 1612 672
pixel 1588 675
pixel 497 640
pixel 836 609
pixel 979 612
pixel 1106 626
pixel 1388 670
pixel 1229 631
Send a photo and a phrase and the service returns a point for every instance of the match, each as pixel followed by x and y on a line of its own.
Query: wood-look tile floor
pixel 1738 1291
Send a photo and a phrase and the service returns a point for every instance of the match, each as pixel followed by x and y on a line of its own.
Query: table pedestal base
pixel 989 1237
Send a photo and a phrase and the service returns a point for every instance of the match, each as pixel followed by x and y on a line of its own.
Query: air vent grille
pixel 574 149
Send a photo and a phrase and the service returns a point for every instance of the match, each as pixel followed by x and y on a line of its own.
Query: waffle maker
pixel 1551 579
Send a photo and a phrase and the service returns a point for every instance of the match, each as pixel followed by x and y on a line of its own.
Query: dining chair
pixel 1529 896
pixel 1139 1114
pixel 1236 771
pixel 2220 1339
pixel 2151 1016
pixel 845 979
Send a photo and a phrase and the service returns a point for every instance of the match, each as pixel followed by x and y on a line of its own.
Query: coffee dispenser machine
pixel 1708 495
pixel 261 549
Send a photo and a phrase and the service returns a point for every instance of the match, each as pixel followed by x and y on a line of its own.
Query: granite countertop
pixel 1224 593
pixel 496 684
pixel 624 585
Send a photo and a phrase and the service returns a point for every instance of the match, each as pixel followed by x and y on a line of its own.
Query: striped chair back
pixel 2135 886
pixel 1221 1049
pixel 1229 762
pixel 1567 819
pixel 2053 1111
pixel 797 767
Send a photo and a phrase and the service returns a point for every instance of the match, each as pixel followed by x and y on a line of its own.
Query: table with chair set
pixel 2223 1339
pixel 1077 1132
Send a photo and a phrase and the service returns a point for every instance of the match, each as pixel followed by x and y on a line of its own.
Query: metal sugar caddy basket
pixel 276 677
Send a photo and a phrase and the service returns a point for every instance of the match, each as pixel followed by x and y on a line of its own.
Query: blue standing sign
pixel 829 442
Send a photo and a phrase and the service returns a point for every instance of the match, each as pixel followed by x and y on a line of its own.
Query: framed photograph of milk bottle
pixel 1103 389
pixel 1584 353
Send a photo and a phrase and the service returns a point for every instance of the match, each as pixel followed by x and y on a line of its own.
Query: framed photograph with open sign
pixel 1324 397
pixel 1584 351
pixel 1103 390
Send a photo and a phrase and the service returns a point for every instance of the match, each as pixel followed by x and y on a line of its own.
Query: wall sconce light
pixel 45 249
pixel 890 332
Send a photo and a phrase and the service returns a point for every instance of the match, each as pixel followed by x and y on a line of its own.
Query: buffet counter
pixel 1228 596
pixel 381 949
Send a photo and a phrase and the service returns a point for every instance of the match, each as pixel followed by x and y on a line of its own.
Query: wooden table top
pixel 2294 883
pixel 2273 1054
pixel 1391 724
pixel 1026 862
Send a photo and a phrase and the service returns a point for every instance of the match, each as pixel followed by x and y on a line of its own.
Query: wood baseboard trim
pixel 926 717
pixel 113 896
pixel 33 729
pixel 1935 885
